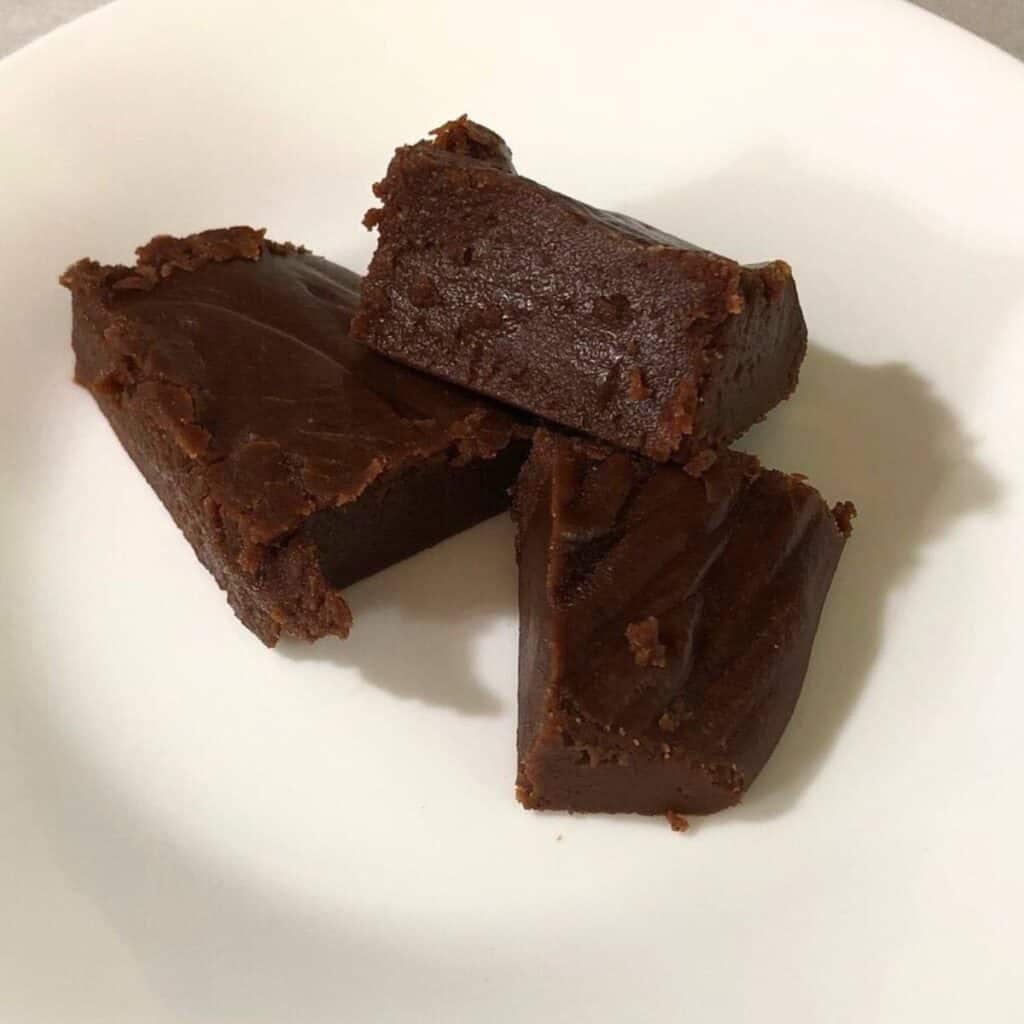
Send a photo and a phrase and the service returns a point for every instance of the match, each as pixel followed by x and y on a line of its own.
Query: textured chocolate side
pixel 587 318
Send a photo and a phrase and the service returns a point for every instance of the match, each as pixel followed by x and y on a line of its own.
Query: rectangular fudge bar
pixel 294 460
pixel 666 622
pixel 587 318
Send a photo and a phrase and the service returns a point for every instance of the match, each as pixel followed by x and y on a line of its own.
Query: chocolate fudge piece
pixel 666 622
pixel 294 460
pixel 586 318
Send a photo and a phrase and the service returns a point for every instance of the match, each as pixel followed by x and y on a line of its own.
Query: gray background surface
pixel 999 21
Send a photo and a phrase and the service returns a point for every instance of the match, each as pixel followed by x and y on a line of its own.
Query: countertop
pixel 999 21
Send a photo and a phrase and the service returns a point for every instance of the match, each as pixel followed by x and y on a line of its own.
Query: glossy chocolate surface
pixel 295 460
pixel 666 624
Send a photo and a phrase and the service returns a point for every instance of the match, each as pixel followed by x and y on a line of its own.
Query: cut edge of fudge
pixel 666 623
pixel 584 317
pixel 281 512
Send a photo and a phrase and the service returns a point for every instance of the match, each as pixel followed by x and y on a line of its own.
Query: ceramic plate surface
pixel 195 829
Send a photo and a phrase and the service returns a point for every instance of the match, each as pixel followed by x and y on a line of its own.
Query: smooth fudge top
pixel 587 318
pixel 239 347
pixel 667 622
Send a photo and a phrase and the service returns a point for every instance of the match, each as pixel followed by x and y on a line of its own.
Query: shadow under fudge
pixel 902 453
pixel 417 624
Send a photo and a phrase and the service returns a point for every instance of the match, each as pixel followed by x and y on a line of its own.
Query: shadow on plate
pixel 467 584
pixel 880 436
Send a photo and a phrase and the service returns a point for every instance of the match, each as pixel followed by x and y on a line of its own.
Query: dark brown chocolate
pixel 584 317
pixel 666 623
pixel 294 460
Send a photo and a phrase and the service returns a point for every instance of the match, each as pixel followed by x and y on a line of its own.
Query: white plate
pixel 195 829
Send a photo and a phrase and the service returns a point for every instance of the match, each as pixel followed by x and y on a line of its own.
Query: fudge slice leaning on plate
pixel 294 460
pixel 666 622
